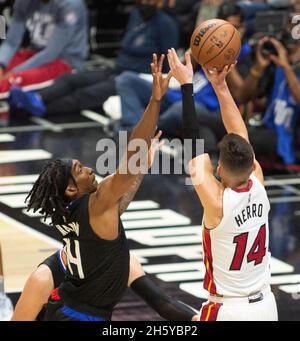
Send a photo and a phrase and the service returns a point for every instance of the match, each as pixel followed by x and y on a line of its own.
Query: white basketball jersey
pixel 236 253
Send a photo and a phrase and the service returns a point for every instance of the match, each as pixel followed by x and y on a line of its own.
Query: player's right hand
pixel 218 78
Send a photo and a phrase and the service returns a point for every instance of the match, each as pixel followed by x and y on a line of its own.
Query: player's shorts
pixel 58 269
pixel 258 307
pixel 58 309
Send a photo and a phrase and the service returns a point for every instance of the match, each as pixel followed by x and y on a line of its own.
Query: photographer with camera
pixel 275 77
pixel 283 98
pixel 283 111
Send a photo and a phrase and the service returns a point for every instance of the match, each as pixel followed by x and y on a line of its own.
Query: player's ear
pixel 254 167
pixel 219 170
pixel 71 191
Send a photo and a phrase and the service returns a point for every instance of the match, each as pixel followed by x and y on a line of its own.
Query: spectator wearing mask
pixel 149 31
pixel 58 42
pixel 185 12
pixel 283 98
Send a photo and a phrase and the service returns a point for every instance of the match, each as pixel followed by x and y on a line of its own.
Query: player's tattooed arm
pixel 131 192
pixel 117 185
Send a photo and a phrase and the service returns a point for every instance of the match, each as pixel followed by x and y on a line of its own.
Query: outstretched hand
pixel 218 78
pixel 160 83
pixel 183 73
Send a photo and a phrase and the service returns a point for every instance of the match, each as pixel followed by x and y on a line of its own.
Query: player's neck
pixel 239 184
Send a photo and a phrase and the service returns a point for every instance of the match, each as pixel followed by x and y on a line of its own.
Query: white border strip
pixel 21 188
pixel 7 138
pixel 284 199
pixel 14 200
pixel 9 156
pixel 18 179
pixel 104 121
pixel 64 126
pixel 282 182
pixel 47 124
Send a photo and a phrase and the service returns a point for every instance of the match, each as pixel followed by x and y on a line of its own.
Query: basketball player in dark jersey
pixel 87 216
pixel 50 274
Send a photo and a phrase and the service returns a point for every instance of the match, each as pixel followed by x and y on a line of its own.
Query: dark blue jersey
pixel 97 269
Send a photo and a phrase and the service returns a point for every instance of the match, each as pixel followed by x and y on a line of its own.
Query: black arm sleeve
pixel 190 127
pixel 165 306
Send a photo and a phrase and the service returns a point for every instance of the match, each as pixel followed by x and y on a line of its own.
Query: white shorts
pixel 259 307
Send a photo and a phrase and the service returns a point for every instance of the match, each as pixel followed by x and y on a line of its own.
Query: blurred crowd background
pixel 63 56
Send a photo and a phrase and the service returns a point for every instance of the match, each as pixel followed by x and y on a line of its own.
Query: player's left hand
pixel 160 83
pixel 182 72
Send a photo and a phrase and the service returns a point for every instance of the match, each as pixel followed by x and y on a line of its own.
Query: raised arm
pixel 184 75
pixel 230 113
pixel 207 187
pixel 118 184
pixel 130 194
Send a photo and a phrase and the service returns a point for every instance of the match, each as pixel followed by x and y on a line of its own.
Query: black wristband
pixel 165 306
pixel 189 119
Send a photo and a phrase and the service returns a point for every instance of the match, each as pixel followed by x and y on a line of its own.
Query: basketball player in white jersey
pixel 236 208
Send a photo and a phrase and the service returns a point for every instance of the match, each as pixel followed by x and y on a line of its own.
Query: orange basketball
pixel 215 43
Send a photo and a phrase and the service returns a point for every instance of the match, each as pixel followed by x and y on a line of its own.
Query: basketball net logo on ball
pixel 215 43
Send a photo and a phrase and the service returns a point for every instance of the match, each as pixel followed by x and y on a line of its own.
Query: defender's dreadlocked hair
pixel 48 192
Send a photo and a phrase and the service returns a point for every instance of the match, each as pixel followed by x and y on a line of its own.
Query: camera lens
pixel 268 48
